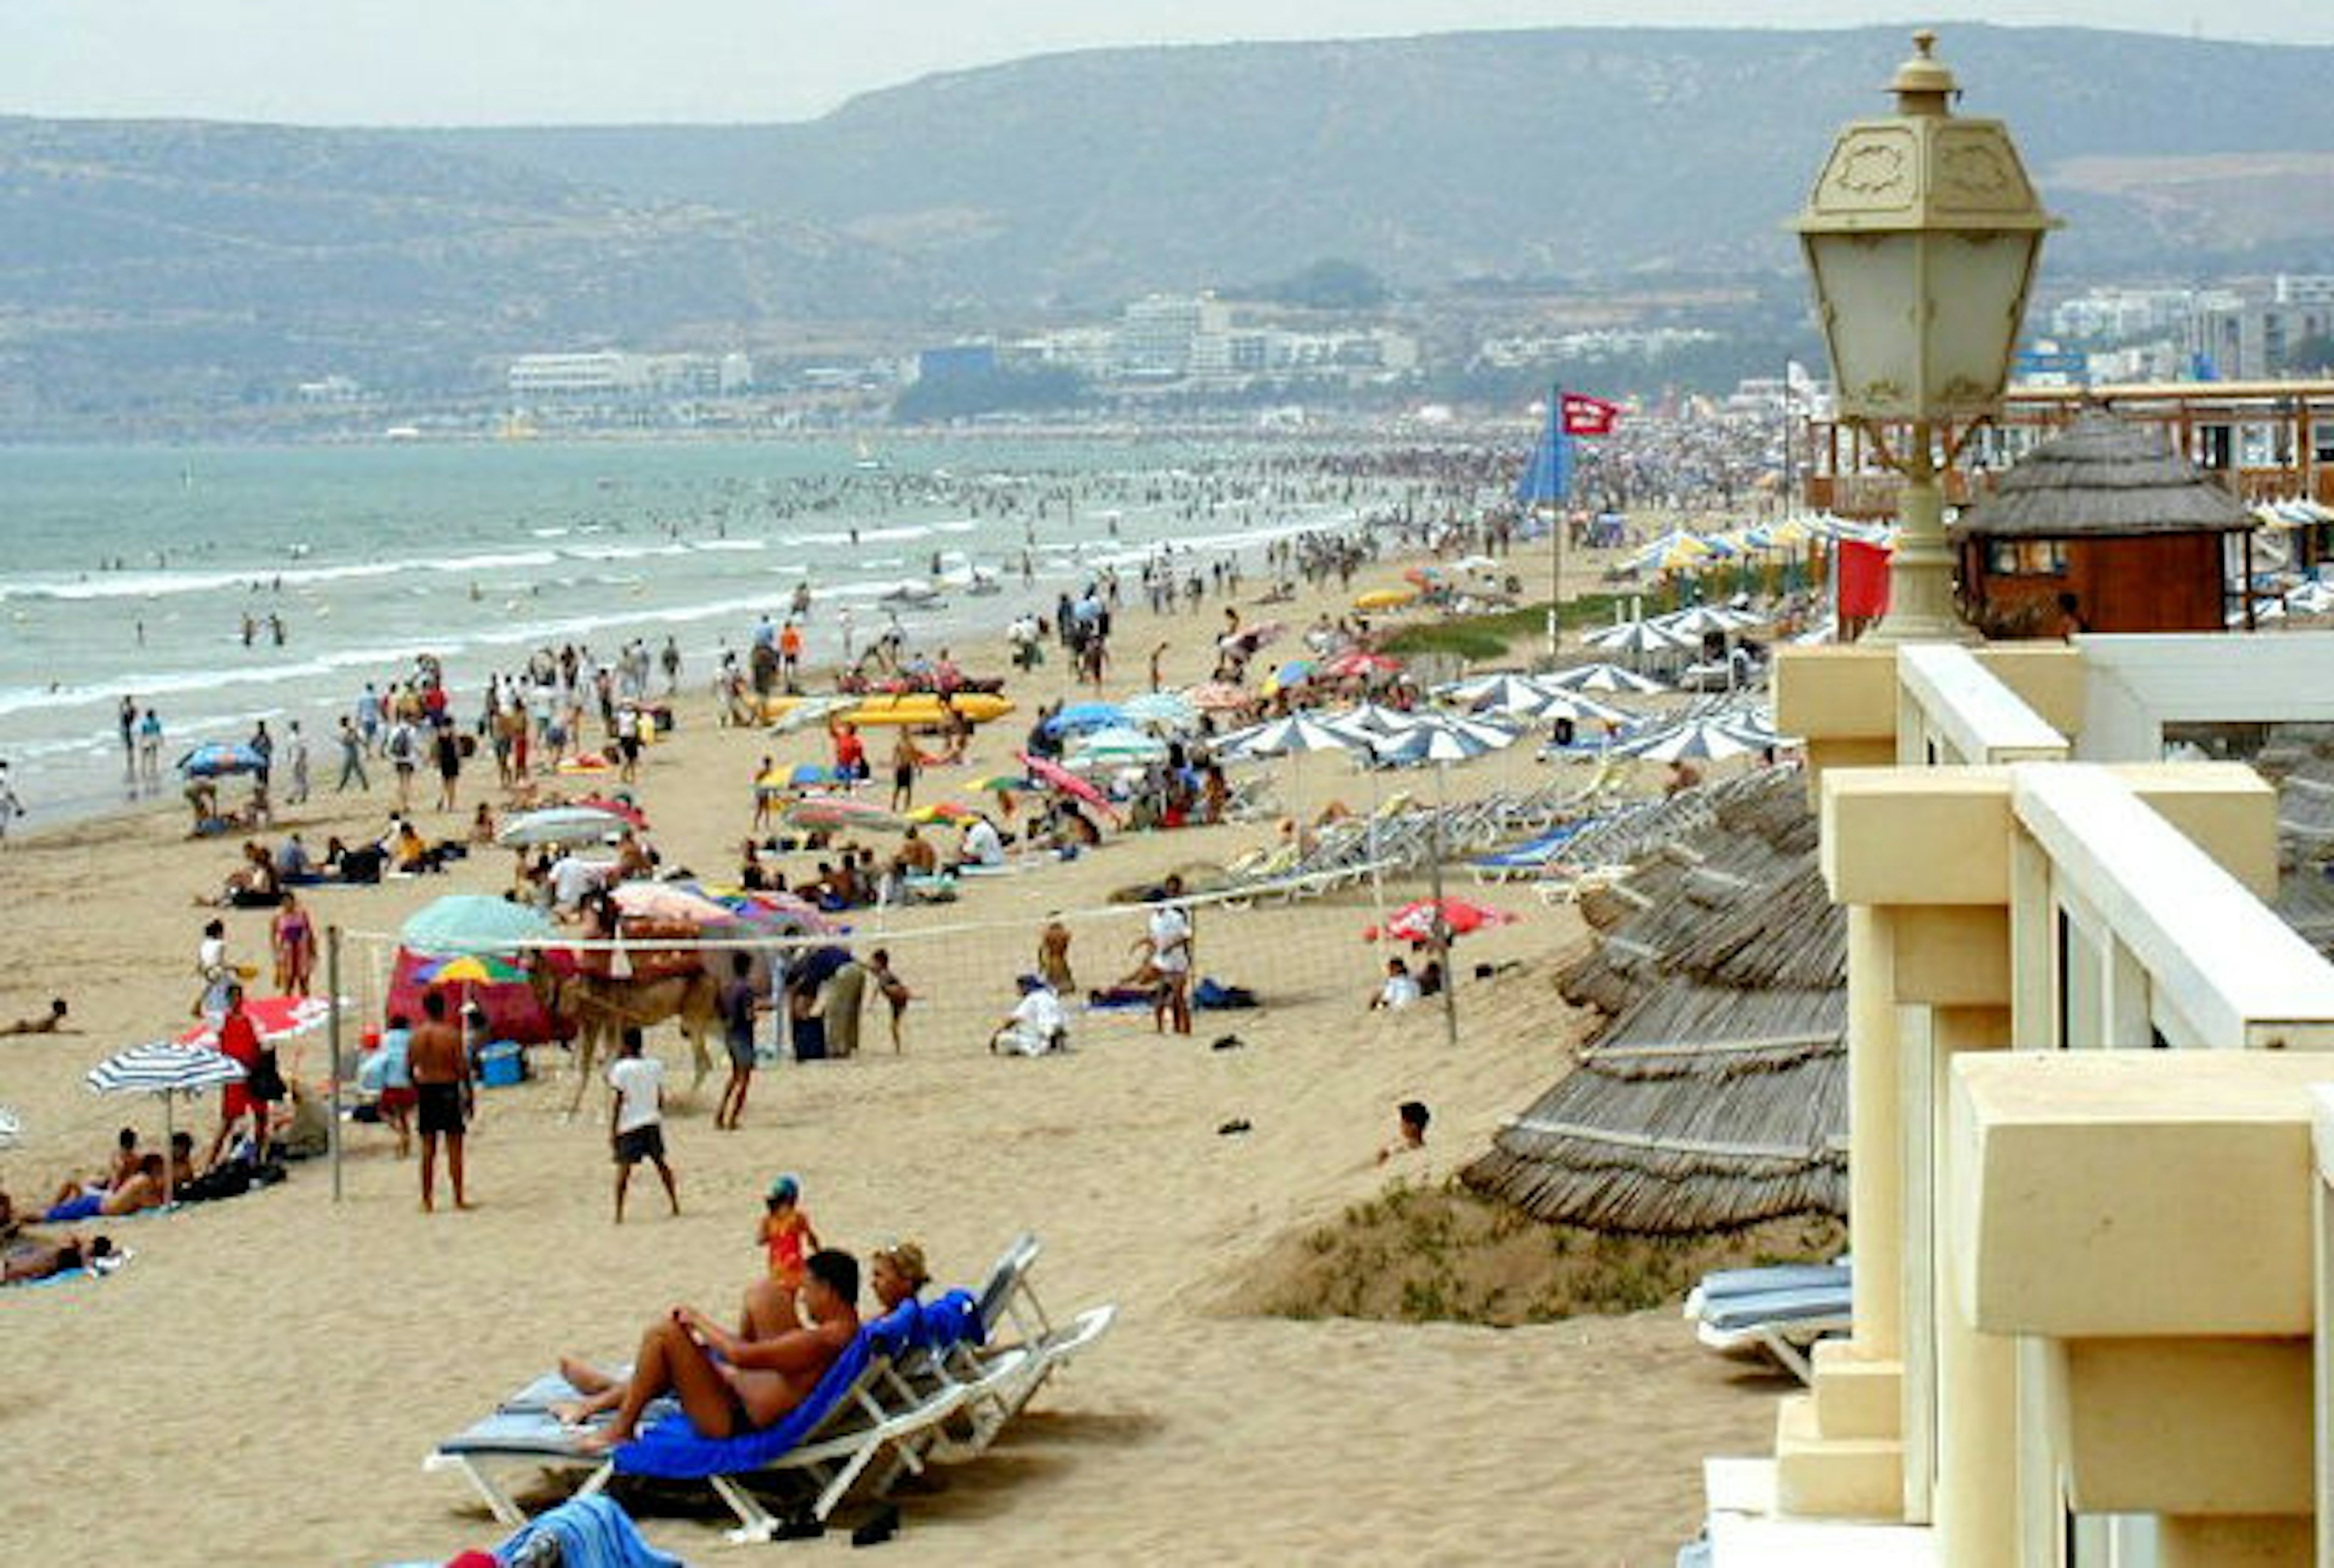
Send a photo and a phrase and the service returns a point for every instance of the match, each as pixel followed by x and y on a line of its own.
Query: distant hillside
pixel 1083 177
pixel 181 260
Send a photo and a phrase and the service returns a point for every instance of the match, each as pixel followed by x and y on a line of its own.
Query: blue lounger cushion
pixel 1778 1308
pixel 1533 852
pixel 675 1450
pixel 1727 1284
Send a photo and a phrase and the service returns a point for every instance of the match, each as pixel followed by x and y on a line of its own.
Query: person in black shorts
pixel 636 1118
pixel 441 1087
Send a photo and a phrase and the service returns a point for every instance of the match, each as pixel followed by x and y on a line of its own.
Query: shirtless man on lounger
pixel 726 1383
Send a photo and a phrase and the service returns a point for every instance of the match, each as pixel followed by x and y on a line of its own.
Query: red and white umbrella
pixel 275 1017
pixel 1217 696
pixel 1415 921
pixel 1054 776
pixel 1360 663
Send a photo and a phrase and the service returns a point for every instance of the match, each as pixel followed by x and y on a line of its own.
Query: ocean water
pixel 130 571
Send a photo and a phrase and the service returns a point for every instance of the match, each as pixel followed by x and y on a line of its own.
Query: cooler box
pixel 502 1065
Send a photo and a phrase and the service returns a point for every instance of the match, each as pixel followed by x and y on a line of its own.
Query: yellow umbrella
pixel 1386 598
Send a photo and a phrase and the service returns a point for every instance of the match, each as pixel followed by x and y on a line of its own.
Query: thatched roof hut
pixel 1715 1096
pixel 2104 528
pixel 2105 477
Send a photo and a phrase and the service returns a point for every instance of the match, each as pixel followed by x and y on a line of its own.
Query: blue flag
pixel 1546 479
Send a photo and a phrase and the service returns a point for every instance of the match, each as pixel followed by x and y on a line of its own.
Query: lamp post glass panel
pixel 1922 235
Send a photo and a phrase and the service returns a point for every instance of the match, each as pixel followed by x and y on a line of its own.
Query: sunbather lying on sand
pixel 726 1383
pixel 76 1200
pixel 53 1023
pixel 25 1261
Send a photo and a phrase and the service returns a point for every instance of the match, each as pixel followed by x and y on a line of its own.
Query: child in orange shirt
pixel 786 1233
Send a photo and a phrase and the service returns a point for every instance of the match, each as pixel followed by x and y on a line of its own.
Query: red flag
pixel 1863 581
pixel 1583 415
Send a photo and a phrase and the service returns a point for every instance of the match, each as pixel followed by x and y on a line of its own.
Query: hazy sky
pixel 488 61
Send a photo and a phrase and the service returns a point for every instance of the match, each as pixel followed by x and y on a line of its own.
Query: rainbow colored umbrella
pixel 470 969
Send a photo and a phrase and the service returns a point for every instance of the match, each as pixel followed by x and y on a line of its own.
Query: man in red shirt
pixel 238 1040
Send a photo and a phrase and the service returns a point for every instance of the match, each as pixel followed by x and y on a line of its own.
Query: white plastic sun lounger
pixel 837 1447
pixel 1780 1312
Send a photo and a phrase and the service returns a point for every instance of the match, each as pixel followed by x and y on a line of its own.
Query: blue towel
pixel 675 1450
pixel 949 1320
pixel 592 1533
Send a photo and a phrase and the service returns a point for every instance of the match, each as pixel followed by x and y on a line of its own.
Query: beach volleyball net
pixel 1273 944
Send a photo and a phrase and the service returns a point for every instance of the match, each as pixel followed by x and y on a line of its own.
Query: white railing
pixel 1951 709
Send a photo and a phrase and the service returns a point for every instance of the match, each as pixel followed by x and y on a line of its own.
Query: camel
pixel 601 1006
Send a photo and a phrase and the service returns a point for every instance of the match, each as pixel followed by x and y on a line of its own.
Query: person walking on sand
pixel 443 1096
pixel 351 757
pixel 739 1003
pixel 892 989
pixel 636 1118
pixel 448 745
pixel 905 760
pixel 295 756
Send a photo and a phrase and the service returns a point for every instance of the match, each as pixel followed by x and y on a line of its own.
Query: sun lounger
pixel 1778 1312
pixel 1527 858
pixel 830 1441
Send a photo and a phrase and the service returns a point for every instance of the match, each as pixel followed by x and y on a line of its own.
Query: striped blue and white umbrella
pixel 160 1068
pixel 1602 676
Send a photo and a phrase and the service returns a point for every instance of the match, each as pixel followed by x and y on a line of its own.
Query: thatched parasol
pixel 2105 477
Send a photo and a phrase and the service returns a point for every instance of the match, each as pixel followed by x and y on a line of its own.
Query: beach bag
pixel 267 1080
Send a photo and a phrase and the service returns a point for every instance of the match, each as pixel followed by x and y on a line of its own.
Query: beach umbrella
pixel 831 812
pixel 1508 694
pixel 1086 715
pixel 670 901
pixel 1165 709
pixel 1296 734
pixel 1476 688
pixel 1415 921
pixel 1386 598
pixel 1609 677
pixel 1441 741
pixel 1359 663
pixel 1369 722
pixel 1637 639
pixel 560 826
pixel 272 1018
pixel 1697 740
pixel 1265 634
pixel 942 811
pixel 1217 696
pixel 1119 744
pixel 1003 783
pixel 165 1069
pixel 1054 776
pixel 615 806
pixel 475 923
pixel 806 775
pixel 218 758
pixel 470 969
pixel 1293 672
pixel 763 909
pixel 1577 707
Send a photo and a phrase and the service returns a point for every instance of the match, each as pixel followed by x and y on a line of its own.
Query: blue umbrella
pixel 475 923
pixel 809 774
pixel 214 758
pixel 1086 715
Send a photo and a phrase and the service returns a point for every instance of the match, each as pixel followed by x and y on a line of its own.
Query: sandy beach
pixel 261 1383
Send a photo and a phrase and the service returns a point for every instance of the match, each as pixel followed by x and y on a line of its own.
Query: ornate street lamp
pixel 1921 233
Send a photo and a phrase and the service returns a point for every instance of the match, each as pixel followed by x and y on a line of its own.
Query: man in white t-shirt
pixel 982 845
pixel 1037 1024
pixel 636 1118
pixel 1171 956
